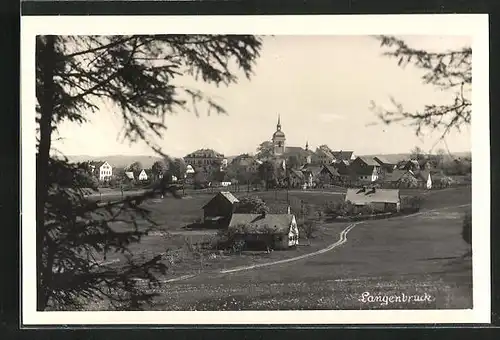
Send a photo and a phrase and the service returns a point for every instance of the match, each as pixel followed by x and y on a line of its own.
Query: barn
pixel 382 200
pixel 219 209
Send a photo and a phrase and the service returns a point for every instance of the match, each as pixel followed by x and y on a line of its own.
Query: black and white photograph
pixel 252 167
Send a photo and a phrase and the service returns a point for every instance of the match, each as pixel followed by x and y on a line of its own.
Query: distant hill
pixel 118 161
pixel 397 157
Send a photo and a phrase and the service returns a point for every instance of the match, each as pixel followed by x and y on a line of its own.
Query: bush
pixel 251 205
pixel 342 208
pixel 467 228
pixel 307 228
pixel 411 203
pixel 366 210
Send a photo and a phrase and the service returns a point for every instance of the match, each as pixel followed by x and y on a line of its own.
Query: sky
pixel 321 86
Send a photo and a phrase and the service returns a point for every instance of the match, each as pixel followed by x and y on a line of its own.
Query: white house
pixel 189 169
pixel 102 170
pixel 143 176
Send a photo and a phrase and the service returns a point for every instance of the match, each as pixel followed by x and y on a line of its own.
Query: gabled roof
pixel 202 153
pixel 342 155
pixel 333 171
pixel 296 150
pixel 97 164
pixel 261 224
pixel 382 160
pixel 322 152
pixel 397 175
pixel 313 169
pixel 368 161
pixel 225 194
pixel 360 197
pixel 363 171
pixel 297 173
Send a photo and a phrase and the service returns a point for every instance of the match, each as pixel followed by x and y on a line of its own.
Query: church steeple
pixel 307 145
pixel 278 126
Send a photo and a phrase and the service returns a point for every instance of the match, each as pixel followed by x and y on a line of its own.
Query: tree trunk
pixel 46 101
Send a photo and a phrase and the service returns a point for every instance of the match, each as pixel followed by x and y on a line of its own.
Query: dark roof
pixel 368 161
pixel 367 170
pixel 382 160
pixel 343 155
pixel 396 175
pixel 333 171
pixel 296 150
pixel 257 223
pixel 227 195
pixel 97 164
pixel 323 152
pixel 313 169
pixel 202 153
pixel 297 173
pixel 357 196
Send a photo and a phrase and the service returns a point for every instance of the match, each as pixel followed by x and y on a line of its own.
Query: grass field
pixel 412 254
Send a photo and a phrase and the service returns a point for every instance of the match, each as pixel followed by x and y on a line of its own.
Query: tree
pixel 251 205
pixel 450 71
pixel 265 150
pixel 268 173
pixel 176 166
pixel 158 168
pixel 136 75
pixel 417 154
pixel 135 167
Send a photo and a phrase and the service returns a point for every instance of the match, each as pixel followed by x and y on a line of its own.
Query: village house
pixel 400 179
pixel 219 209
pixel 324 157
pixel 246 162
pixel 275 231
pixel 330 174
pixel 385 165
pixel 343 156
pixel 366 169
pixel 101 169
pixel 382 200
pixel 142 176
pixel 206 161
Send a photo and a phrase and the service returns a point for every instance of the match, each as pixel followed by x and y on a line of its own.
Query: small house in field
pixel 219 209
pixel 382 200
pixel 274 231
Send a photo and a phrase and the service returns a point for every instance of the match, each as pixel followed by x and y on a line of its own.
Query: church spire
pixel 307 145
pixel 279 123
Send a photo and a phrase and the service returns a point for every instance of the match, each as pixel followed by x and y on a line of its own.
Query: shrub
pixel 307 228
pixel 251 205
pixel 411 203
pixel 366 210
pixel 342 208
pixel 467 228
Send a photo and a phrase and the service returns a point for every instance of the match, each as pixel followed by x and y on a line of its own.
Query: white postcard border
pixel 475 25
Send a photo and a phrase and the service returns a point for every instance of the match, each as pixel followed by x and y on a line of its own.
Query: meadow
pixel 417 253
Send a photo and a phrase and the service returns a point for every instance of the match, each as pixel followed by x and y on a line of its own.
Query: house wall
pixel 105 172
pixel 219 206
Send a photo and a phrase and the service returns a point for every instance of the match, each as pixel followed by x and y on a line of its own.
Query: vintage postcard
pixel 288 170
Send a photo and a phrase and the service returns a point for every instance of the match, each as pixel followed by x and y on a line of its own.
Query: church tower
pixel 279 139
